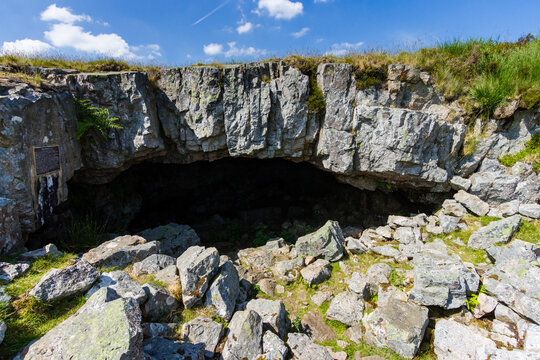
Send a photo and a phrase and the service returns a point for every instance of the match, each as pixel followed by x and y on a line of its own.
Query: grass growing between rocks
pixel 529 231
pixel 531 154
pixel 453 239
pixel 28 319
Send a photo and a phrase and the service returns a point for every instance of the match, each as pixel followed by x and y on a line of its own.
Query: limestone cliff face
pixel 401 135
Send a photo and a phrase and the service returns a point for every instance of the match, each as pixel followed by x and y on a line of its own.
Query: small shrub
pixel 262 235
pixel 296 324
pixel 92 117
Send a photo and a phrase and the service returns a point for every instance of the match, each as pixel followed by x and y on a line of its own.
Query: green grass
pixel 529 231
pixel 466 254
pixel 28 319
pixel 530 154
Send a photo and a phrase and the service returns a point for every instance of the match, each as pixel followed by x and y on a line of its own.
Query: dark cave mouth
pixel 231 203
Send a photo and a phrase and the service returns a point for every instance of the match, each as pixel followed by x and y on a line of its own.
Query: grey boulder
pixel 121 283
pixel 61 283
pixel 153 329
pixel 204 331
pixel 304 348
pixel 500 231
pixel 273 315
pixel 398 325
pixel 101 329
pixel 164 349
pixel 160 302
pixel 3 328
pixel 347 308
pixel 50 250
pixel 441 279
pixel 273 348
pixel 453 340
pixel 121 251
pixel 223 291
pixel 327 242
pixel 173 239
pixel 530 210
pixel 472 202
pixel 316 273
pixel 153 264
pixel 8 272
pixel 244 340
pixel 197 266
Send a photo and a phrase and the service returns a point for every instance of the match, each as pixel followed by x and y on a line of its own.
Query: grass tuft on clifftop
pixel 482 74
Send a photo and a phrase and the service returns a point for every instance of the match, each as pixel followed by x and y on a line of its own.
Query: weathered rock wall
pixel 400 135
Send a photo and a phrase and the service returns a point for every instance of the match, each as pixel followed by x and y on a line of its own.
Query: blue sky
pixel 180 32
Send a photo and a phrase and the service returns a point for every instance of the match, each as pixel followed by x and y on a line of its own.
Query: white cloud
pixel 344 48
pixel 25 47
pixel 73 36
pixel 213 49
pixel 300 33
pixel 244 28
pixel 62 14
pixel 281 9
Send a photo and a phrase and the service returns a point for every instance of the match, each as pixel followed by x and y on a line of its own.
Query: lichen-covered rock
pixel 153 264
pixel 121 251
pixel 327 242
pixel 441 279
pixel 204 331
pixel 346 307
pixel 32 120
pixel 159 304
pixel 398 325
pixel 10 227
pixel 57 284
pixel 223 291
pixel 453 340
pixel 316 273
pixel 121 284
pixel 500 231
pixel 513 279
pixel 494 184
pixel 8 272
pixel 197 266
pixel 244 340
pixel 273 315
pixel 101 329
pixel 173 239
pixel 304 348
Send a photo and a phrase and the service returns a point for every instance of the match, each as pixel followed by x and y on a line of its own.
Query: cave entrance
pixel 232 203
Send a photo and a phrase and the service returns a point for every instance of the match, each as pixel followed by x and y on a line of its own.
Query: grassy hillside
pixel 480 74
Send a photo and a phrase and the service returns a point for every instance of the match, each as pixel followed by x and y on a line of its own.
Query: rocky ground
pixel 455 285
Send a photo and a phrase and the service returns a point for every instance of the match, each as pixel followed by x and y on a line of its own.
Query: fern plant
pixel 92 117
pixel 472 301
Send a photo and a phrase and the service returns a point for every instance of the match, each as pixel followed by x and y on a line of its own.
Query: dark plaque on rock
pixel 47 159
